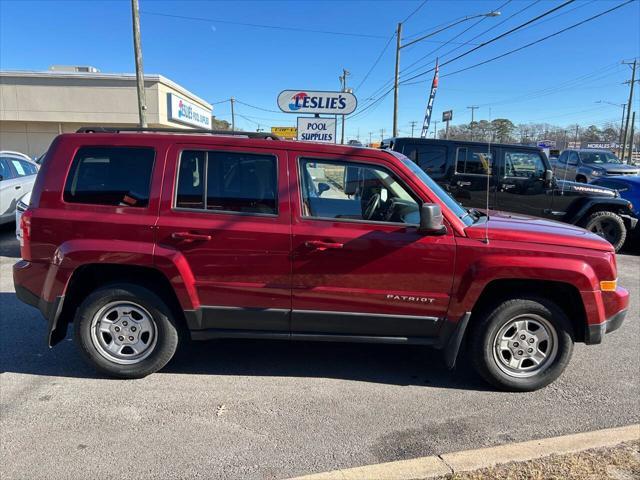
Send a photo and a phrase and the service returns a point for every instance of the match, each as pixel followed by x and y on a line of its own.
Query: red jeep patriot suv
pixel 146 239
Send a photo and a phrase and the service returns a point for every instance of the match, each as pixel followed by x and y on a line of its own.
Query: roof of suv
pixel 434 141
pixel 242 138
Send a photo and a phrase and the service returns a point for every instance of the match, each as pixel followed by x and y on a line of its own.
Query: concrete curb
pixel 438 465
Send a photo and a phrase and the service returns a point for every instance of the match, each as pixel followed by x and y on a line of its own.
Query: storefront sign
pixel 184 111
pixel 290 133
pixel 312 129
pixel 306 101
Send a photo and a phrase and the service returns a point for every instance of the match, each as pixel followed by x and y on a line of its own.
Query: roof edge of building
pixel 105 76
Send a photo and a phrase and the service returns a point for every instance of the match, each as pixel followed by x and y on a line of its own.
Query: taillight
pixel 25 230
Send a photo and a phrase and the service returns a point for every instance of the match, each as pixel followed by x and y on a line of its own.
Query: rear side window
pixel 430 158
pixel 110 176
pixel 5 170
pixel 24 168
pixel 227 182
pixel 473 161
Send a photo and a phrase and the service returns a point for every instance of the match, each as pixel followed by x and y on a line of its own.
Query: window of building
pixel 228 182
pixel 110 176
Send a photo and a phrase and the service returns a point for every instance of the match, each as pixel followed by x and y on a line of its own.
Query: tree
pixel 503 129
pixel 591 134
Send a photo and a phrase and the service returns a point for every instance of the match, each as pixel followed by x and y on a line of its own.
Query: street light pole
pixel 137 48
pixel 399 47
pixel 626 125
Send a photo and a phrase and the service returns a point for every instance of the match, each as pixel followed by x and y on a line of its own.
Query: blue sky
pixel 557 81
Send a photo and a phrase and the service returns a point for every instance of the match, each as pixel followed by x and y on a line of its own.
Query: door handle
pixel 321 246
pixel 188 236
pixel 463 184
pixel 18 187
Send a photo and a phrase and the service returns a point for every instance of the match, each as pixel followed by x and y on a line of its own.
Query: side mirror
pixel 548 175
pixel 323 187
pixel 431 219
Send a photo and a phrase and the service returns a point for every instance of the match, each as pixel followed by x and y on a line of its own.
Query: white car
pixel 17 176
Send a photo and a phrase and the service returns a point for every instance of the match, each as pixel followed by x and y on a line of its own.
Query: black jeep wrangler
pixel 518 179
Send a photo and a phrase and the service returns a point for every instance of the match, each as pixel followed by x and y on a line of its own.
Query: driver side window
pixel 354 191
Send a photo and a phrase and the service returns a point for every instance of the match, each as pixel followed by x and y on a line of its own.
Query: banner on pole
pixel 432 96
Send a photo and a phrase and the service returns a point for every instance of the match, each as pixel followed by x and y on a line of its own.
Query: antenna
pixel 489 174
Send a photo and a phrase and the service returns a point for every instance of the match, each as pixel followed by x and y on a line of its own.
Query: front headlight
pixel 597 173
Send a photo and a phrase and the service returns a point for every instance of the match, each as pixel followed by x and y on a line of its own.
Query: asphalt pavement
pixel 272 410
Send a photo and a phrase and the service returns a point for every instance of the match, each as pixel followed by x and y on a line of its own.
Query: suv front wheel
pixel 523 344
pixel 609 226
pixel 125 331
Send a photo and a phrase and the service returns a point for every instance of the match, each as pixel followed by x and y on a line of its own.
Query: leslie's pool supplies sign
pixel 312 129
pixel 307 101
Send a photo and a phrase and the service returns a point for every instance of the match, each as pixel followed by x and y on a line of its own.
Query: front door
pixel 229 220
pixel 521 184
pixel 360 266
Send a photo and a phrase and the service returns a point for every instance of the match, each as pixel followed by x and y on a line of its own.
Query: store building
pixel 37 106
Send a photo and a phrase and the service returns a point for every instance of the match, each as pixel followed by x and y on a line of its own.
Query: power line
pixel 415 11
pixel 502 35
pixel 258 108
pixel 257 25
pixel 376 62
pixel 540 39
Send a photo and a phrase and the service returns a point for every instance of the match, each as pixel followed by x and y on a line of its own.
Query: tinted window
pixel 523 164
pixel 230 182
pixel 431 158
pixel 353 191
pixel 5 170
pixel 26 167
pixel 473 161
pixel 110 176
pixel 599 157
pixel 573 158
pixel 563 157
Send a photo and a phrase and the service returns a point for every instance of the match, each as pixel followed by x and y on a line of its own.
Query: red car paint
pixel 288 263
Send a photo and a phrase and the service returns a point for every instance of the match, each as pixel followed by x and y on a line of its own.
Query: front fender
pixel 488 268
pixel 611 204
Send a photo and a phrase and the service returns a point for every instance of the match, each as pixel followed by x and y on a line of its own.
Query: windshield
pixel 462 213
pixel 599 158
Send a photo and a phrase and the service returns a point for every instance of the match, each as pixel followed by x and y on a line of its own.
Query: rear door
pixel 225 211
pixel 474 181
pixel 10 189
pixel 360 266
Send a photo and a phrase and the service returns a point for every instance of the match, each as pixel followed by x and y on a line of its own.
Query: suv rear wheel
pixel 609 226
pixel 522 344
pixel 125 331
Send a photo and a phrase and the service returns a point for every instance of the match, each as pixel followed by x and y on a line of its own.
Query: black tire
pixel 166 331
pixel 488 325
pixel 608 225
pixel 581 179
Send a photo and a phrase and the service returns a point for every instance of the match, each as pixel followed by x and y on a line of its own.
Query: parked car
pixel 585 165
pixel 23 202
pixel 17 175
pixel 519 179
pixel 144 240
pixel 627 186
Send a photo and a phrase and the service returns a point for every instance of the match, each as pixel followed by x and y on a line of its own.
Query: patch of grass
pixel 621 462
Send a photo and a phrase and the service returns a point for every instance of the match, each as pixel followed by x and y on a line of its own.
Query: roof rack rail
pixel 263 135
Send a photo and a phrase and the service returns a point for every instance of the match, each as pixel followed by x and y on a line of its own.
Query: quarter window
pixel 473 161
pixel 227 182
pixel 431 159
pixel 353 191
pixel 5 170
pixel 110 176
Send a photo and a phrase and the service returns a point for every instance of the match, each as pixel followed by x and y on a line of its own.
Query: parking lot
pixel 243 409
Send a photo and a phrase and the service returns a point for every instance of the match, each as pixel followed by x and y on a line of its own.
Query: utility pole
pixel 633 122
pixel 381 135
pixel 396 80
pixel 626 124
pixel 399 47
pixel 575 139
pixel 624 109
pixel 370 133
pixel 413 126
pixel 473 109
pixel 435 129
pixel 343 81
pixel 137 48
pixel 233 115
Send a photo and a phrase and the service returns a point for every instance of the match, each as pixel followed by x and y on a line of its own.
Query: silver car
pixel 17 176
pixel 585 165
